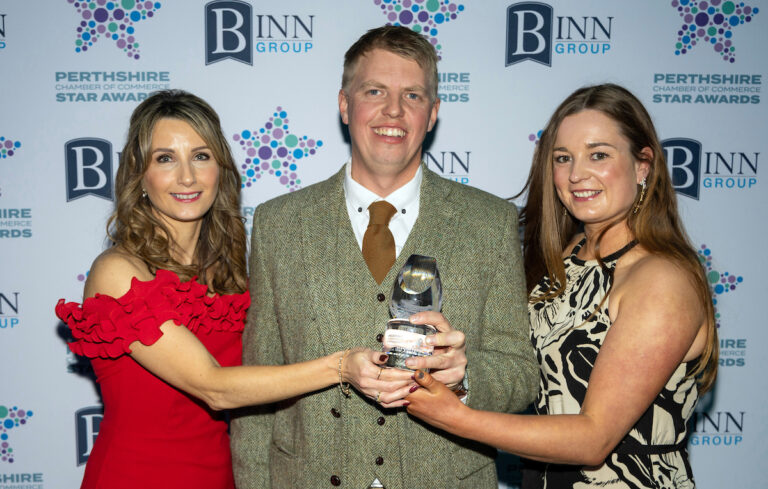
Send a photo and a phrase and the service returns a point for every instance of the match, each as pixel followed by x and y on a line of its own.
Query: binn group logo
pixel 3 42
pixel 717 429
pixel 11 418
pixel 422 16
pixel 88 168
pixel 273 150
pixel 9 310
pixel 87 424
pixel 233 31
pixel 452 164
pixel 112 21
pixel 711 22
pixel 534 33
pixel 693 169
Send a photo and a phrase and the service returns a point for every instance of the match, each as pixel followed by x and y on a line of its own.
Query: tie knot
pixel 381 212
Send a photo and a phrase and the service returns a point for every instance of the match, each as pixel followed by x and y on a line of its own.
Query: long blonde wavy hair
pixel 219 257
pixel 656 225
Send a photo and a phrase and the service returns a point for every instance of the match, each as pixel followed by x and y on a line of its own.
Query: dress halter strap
pixel 612 257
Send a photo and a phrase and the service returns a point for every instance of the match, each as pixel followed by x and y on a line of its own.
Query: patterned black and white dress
pixel 653 454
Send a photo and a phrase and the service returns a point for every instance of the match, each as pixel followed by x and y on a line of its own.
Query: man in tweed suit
pixel 313 294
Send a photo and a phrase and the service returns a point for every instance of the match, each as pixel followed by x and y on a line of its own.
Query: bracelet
pixel 462 388
pixel 342 386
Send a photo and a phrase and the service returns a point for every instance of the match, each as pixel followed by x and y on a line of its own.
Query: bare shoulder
pixel 656 297
pixel 112 271
pixel 648 279
pixel 638 267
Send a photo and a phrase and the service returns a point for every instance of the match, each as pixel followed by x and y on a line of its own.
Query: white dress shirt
pixel 405 200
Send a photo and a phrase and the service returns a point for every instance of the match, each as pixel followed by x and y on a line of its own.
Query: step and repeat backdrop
pixel 72 71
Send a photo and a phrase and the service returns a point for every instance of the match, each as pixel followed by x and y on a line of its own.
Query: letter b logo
pixel 529 33
pixel 228 31
pixel 684 162
pixel 88 164
pixel 87 423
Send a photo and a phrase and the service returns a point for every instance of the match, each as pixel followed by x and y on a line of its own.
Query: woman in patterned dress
pixel 621 313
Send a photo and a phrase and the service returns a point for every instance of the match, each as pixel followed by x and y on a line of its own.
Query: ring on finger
pixel 378 397
pixel 379 376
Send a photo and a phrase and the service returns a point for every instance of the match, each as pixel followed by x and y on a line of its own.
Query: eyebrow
pixel 374 84
pixel 599 143
pixel 589 145
pixel 169 150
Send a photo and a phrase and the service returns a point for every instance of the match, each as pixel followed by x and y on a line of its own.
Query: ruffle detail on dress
pixel 104 327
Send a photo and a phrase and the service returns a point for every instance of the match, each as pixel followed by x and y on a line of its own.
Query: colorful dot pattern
pixel 114 20
pixel 534 138
pixel 711 22
pixel 274 150
pixel 82 276
pixel 422 16
pixel 8 147
pixel 719 282
pixel 10 418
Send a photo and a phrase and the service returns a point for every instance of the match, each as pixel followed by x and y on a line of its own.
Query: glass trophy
pixel 417 288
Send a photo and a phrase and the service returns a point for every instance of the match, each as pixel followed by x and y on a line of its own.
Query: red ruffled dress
pixel 153 435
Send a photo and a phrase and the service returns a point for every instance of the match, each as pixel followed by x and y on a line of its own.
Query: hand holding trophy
pixel 417 288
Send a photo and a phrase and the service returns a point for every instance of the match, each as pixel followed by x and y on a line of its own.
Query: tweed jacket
pixel 313 295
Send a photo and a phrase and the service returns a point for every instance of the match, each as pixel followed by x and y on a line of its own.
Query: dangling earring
pixel 143 193
pixel 642 196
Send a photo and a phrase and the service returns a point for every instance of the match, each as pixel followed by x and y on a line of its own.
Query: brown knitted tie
pixel 378 242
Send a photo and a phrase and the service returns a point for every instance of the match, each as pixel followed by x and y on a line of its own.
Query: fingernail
pixel 413 389
pixel 406 403
pixel 420 375
pixel 413 377
pixel 383 358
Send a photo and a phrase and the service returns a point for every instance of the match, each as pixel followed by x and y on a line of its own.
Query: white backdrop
pixel 72 72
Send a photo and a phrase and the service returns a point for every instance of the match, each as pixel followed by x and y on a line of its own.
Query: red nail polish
pixel 413 389
pixel 383 358
pixel 406 403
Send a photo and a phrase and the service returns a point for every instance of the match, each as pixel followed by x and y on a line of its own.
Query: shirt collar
pixel 405 198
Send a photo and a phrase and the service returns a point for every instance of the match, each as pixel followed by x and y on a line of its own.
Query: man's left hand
pixel 448 363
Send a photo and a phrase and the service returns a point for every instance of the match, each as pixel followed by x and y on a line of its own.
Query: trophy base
pixel 404 340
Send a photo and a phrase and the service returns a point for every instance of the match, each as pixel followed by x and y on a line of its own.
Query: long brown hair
pixel 656 225
pixel 219 258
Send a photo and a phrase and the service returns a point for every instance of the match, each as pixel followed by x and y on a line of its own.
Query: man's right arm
pixel 252 427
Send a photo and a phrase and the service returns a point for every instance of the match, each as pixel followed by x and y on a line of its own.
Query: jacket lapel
pixel 324 226
pixel 433 235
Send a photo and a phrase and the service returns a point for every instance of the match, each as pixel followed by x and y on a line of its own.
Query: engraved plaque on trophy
pixel 417 288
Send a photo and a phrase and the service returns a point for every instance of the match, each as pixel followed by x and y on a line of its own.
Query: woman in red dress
pixel 163 309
